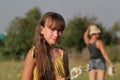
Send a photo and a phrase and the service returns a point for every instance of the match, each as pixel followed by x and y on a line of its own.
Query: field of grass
pixel 75 62
pixel 12 70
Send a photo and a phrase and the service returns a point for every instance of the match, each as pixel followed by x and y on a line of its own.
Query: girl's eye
pixel 58 30
pixel 53 29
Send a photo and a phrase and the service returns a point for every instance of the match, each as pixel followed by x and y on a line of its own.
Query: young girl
pixel 45 61
pixel 98 54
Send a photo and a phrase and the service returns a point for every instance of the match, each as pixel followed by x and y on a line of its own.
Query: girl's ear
pixel 41 29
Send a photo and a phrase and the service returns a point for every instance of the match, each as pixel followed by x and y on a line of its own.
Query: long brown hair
pixel 45 68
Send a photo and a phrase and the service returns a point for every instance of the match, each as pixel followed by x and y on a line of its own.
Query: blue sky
pixel 107 11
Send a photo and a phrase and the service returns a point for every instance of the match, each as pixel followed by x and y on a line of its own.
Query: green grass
pixel 114 52
pixel 12 70
pixel 76 61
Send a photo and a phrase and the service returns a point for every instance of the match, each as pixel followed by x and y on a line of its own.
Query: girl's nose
pixel 56 33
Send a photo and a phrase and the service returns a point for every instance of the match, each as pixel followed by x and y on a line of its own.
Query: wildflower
pixel 87 68
pixel 75 72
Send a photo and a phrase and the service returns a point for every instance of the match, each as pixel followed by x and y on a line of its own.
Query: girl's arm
pixel 100 46
pixel 28 66
pixel 86 38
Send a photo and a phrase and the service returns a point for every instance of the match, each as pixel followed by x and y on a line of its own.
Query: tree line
pixel 21 31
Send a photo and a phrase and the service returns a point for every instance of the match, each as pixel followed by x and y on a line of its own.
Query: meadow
pixel 12 70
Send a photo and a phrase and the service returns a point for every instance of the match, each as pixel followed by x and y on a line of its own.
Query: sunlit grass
pixel 11 70
pixel 75 62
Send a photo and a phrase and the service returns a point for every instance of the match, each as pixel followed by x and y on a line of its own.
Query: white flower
pixel 75 72
pixel 88 67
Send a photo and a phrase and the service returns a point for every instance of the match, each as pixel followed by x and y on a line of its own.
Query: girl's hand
pixel 111 70
pixel 60 78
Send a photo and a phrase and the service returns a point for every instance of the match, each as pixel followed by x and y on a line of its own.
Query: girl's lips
pixel 54 39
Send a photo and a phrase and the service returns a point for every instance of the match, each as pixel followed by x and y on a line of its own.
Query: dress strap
pixel 33 49
pixel 62 52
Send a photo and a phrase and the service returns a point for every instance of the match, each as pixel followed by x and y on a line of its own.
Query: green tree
pixel 73 34
pixel 20 34
pixel 113 32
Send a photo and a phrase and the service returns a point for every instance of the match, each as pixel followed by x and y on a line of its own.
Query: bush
pixel 114 52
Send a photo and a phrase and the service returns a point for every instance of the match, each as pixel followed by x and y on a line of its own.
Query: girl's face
pixel 50 33
pixel 97 35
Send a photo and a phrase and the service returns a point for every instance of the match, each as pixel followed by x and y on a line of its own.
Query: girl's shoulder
pixel 99 43
pixel 31 52
pixel 62 52
pixel 65 54
pixel 29 58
